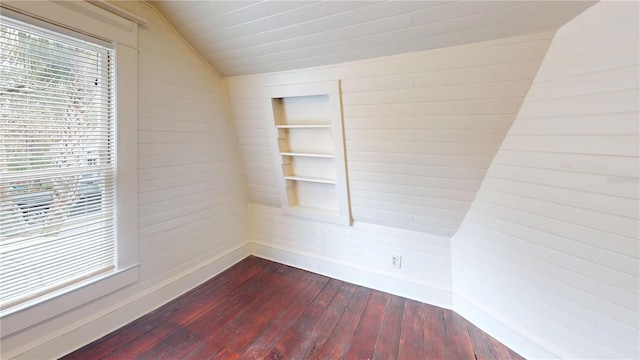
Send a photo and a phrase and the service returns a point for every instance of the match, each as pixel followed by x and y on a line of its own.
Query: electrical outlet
pixel 396 261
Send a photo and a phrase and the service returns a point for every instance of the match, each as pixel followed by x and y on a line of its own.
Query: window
pixel 112 34
pixel 56 161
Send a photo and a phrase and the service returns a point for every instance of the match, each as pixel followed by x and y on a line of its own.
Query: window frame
pixel 88 22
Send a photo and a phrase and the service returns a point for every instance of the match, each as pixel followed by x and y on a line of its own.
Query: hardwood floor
pixel 259 309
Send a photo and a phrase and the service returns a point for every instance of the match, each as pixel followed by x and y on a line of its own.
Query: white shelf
pixel 309 145
pixel 311 179
pixel 319 126
pixel 328 156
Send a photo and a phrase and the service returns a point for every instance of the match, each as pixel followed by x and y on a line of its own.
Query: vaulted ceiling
pixel 248 37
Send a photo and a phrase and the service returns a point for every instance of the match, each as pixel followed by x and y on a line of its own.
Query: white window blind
pixel 57 161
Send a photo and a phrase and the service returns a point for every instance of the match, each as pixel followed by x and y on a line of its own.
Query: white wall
pixel 421 130
pixel 191 194
pixel 360 254
pixel 546 260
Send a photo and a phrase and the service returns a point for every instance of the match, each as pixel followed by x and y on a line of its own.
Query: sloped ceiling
pixel 249 37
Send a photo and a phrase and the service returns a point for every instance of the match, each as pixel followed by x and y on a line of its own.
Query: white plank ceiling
pixel 249 37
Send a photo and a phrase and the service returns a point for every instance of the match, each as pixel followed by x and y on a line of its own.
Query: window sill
pixel 28 314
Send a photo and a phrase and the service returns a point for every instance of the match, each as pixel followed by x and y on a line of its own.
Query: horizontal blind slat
pixel 57 176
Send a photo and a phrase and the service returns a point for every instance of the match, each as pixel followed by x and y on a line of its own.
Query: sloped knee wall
pixel 546 260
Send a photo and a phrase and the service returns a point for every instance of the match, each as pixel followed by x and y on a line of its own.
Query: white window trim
pixel 85 18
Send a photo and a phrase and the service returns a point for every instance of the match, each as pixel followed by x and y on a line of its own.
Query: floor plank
pixel 218 312
pixel 316 339
pixel 283 319
pixel 411 343
pixel 207 336
pixel 298 332
pixel 261 316
pixel 488 348
pixel 259 309
pixel 458 342
pixel 364 340
pixel 226 281
pixel 434 330
pixel 388 340
pixel 340 338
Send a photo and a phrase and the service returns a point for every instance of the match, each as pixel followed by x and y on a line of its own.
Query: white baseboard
pixel 88 329
pixel 409 288
pixel 80 333
pixel 517 339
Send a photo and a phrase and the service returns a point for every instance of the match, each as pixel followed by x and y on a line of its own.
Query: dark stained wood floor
pixel 259 309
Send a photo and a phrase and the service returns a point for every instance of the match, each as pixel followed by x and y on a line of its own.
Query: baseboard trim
pixel 89 329
pixel 362 276
pixel 517 339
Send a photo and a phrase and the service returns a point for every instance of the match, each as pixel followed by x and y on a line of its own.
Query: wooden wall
pixel 547 258
pixel 421 128
pixel 191 194
pixel 420 132
pixel 243 38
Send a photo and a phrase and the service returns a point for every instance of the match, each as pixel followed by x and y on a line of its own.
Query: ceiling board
pixel 202 11
pixel 283 21
pixel 247 37
pixel 341 22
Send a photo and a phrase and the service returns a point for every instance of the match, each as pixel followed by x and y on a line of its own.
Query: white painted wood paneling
pixel 191 191
pixel 424 125
pixel 420 130
pixel 253 37
pixel 192 202
pixel 547 258
pixel 359 254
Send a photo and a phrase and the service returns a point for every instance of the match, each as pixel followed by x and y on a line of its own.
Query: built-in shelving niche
pixel 306 120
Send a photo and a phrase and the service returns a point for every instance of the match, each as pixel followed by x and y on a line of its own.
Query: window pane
pixel 56 161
